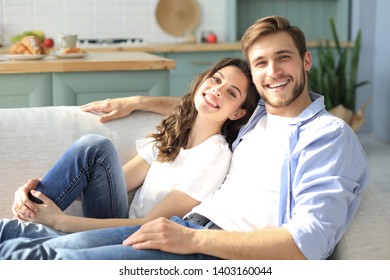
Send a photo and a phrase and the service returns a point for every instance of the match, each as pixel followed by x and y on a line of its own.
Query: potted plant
pixel 335 78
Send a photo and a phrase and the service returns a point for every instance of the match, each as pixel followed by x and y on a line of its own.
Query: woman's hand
pixel 49 213
pixel 23 207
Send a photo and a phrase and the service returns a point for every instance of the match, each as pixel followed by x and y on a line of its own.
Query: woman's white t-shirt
pixel 196 172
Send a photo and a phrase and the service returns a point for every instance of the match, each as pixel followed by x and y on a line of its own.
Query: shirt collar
pixel 313 109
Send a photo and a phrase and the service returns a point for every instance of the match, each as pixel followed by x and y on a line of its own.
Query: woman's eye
pixel 232 93
pixel 216 79
pixel 260 64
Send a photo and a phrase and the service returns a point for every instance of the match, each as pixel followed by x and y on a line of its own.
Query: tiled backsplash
pixel 102 19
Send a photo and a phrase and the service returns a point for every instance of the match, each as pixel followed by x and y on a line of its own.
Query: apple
pixel 48 42
pixel 212 38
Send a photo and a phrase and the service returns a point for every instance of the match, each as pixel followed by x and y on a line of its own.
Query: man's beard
pixel 297 91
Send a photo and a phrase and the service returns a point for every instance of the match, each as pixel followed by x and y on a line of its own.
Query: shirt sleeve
pixel 205 170
pixel 329 172
pixel 146 148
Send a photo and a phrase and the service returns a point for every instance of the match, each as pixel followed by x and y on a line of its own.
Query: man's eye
pixel 284 57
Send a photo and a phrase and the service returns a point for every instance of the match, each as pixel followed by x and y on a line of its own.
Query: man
pixel 293 186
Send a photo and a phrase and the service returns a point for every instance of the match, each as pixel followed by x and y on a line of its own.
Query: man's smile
pixel 277 84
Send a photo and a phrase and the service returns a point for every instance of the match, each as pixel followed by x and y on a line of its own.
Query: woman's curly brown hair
pixel 174 130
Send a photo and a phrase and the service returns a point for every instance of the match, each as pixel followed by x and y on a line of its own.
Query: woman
pixel 178 166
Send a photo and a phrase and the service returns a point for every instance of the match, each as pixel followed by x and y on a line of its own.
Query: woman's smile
pixel 211 100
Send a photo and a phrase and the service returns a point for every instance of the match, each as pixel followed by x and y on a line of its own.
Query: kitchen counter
pixel 75 81
pixel 176 48
pixel 188 47
pixel 170 48
pixel 94 61
pixel 155 48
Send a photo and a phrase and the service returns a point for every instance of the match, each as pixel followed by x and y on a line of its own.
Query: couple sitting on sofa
pixel 296 202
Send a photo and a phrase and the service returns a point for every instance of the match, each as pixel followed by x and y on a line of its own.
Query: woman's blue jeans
pixel 89 169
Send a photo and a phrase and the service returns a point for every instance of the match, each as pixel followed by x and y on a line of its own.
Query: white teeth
pixel 279 84
pixel 210 100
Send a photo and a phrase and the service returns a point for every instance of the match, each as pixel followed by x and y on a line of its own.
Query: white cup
pixel 67 41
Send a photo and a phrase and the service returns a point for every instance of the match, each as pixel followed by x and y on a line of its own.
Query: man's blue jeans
pixel 90 169
pixel 40 242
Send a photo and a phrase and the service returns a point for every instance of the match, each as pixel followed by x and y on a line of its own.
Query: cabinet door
pixel 189 64
pixel 83 87
pixel 25 90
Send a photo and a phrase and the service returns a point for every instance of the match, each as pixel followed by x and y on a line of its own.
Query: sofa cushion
pixel 367 238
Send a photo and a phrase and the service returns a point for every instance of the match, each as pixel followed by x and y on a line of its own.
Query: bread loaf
pixel 28 45
pixel 18 48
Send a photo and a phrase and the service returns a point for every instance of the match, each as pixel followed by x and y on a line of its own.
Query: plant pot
pixel 343 113
pixel 355 120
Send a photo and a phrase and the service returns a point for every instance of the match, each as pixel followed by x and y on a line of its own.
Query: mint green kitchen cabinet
pixel 77 88
pixel 25 90
pixel 81 88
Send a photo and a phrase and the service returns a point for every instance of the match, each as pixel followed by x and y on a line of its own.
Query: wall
pixel 362 13
pixel 372 18
pixel 381 73
pixel 102 18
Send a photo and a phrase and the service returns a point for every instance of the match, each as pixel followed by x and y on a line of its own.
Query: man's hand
pixel 164 235
pixel 117 108
pixel 23 207
pixel 112 108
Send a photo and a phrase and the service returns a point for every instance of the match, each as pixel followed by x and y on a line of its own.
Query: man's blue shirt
pixel 322 179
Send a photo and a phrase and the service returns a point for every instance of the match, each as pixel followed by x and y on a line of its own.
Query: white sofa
pixel 32 139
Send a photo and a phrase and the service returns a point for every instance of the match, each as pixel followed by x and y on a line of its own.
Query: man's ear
pixel 237 114
pixel 307 61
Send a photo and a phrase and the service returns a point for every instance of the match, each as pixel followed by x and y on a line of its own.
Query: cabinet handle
pixel 202 63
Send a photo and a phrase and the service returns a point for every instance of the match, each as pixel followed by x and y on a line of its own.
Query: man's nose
pixel 273 69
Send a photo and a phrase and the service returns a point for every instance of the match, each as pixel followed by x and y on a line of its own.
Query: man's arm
pixel 122 107
pixel 165 235
pixel 267 243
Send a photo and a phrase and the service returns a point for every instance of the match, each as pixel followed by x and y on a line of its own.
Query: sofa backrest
pixel 32 140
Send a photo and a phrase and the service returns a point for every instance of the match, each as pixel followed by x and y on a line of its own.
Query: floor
pixel 378 154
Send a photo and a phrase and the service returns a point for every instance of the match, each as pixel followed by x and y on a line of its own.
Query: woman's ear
pixel 237 114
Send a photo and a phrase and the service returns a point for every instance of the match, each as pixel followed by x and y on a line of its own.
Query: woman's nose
pixel 216 91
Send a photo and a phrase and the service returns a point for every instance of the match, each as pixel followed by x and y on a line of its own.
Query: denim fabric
pixel 101 244
pixel 90 169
